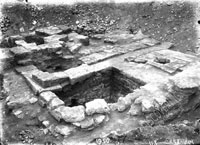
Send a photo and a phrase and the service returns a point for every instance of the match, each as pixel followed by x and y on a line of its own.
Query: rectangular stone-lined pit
pixel 109 84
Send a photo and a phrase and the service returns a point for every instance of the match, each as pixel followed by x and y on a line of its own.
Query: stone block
pixel 97 106
pixel 98 118
pixel 101 66
pixel 72 35
pixel 65 130
pixel 21 42
pixel 75 47
pixel 20 52
pixel 79 73
pixel 97 57
pixel 34 86
pixel 54 103
pixel 52 88
pixel 97 36
pixel 32 47
pixel 149 41
pixel 135 110
pixel 87 123
pixel 110 40
pixel 25 69
pixel 123 103
pixel 61 77
pixel 45 79
pixel 46 97
pixel 57 113
pixel 53 38
pixel 82 39
pixel 65 29
pixel 47 31
pixel 73 114
pixel 52 47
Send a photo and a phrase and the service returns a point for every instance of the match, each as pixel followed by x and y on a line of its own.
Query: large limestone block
pixel 97 106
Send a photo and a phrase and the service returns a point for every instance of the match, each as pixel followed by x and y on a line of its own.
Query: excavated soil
pixel 174 22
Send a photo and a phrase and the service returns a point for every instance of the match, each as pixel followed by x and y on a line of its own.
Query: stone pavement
pixel 160 74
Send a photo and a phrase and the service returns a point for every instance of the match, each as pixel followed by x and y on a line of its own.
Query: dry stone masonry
pixel 82 80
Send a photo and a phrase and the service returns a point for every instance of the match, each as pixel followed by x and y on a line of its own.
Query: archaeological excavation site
pixel 100 74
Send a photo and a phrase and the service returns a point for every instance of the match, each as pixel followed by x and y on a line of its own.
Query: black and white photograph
pixel 99 72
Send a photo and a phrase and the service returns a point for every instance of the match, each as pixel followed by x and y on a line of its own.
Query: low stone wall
pixel 108 84
pixel 97 86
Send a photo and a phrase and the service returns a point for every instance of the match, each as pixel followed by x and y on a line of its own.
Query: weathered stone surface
pixel 18 113
pixel 149 41
pixel 82 39
pixel 188 78
pixel 87 123
pixel 72 35
pixel 97 36
pixel 97 57
pixel 32 47
pixel 65 29
pixel 42 117
pixel 79 73
pixel 33 100
pixel 61 76
pixel 56 38
pixel 74 47
pixel 57 113
pixel 19 93
pixel 48 31
pixel 113 106
pixel 20 52
pixel 46 97
pixel 21 42
pixel 124 102
pixel 46 123
pixel 147 104
pixel 73 114
pixel 13 101
pixel 110 40
pixel 98 118
pixel 101 66
pixel 64 129
pixel 25 69
pixel 90 122
pixel 46 79
pixel 97 106
pixel 6 56
pixel 33 85
pixel 52 46
pixel 77 38
pixel 135 110
pixel 54 103
pixel 136 60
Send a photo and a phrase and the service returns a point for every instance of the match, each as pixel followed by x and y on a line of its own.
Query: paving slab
pixel 20 52
pixel 47 31
pixel 52 38
pixel 79 73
